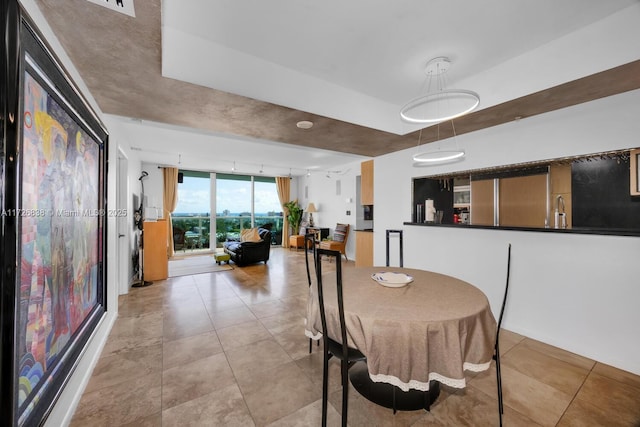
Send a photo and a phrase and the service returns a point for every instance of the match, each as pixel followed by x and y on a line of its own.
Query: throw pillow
pixel 340 232
pixel 250 235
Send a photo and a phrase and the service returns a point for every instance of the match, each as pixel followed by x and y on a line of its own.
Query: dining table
pixel 417 328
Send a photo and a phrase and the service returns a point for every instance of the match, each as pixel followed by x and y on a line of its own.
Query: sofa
pixel 250 252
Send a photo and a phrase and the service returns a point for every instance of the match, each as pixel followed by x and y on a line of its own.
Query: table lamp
pixel 311 209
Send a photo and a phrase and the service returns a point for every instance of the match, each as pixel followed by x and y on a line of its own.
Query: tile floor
pixel 228 349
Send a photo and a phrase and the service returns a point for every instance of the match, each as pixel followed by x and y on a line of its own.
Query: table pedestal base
pixel 390 396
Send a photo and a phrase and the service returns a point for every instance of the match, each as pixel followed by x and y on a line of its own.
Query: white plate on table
pixel 391 279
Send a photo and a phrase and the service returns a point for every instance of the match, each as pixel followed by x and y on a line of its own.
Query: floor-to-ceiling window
pixel 244 201
pixel 193 211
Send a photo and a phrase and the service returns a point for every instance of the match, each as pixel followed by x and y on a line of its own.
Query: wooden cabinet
pixel 364 249
pixel 366 182
pixel 482 202
pixel 156 260
pixel 522 201
pixel 519 199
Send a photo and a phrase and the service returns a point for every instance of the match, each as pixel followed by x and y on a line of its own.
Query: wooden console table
pixel 322 232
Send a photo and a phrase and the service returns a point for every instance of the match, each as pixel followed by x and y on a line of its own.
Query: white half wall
pixel 578 292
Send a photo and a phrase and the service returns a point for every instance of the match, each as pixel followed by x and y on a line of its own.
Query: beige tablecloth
pixel 432 329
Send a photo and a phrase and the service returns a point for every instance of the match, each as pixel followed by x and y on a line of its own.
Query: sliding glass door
pixel 244 201
pixel 239 202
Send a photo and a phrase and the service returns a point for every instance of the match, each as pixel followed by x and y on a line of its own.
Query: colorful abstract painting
pixel 59 235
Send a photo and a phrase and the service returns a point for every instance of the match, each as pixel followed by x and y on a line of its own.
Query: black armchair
pixel 243 253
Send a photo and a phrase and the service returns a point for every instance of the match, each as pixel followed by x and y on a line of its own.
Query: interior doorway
pixel 123 246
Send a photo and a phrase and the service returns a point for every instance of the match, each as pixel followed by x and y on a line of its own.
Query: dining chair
pixel 335 346
pixel 310 245
pixel 399 232
pixel 496 352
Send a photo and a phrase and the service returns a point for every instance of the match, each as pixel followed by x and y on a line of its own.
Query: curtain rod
pixel 221 172
pixel 190 169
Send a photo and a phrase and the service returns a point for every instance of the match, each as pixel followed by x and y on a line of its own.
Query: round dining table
pixel 414 335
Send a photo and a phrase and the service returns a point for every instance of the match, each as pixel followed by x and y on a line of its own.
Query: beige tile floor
pixel 228 349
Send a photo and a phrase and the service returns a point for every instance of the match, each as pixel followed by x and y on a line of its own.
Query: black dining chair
pixel 336 346
pixel 496 352
pixel 399 232
pixel 310 246
pixel 388 233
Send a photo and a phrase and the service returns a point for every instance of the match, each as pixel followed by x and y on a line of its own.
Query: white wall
pixel 119 138
pixel 577 292
pixel 332 207
pixel 68 400
pixel 153 190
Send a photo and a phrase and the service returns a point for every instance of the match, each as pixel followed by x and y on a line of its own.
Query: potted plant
pixel 294 215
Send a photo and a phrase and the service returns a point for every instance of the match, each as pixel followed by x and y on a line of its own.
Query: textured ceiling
pixel 120 59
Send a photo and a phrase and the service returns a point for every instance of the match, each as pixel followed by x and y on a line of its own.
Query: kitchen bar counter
pixel 574 230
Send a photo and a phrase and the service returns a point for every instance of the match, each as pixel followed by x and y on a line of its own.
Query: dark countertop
pixel 370 230
pixel 575 230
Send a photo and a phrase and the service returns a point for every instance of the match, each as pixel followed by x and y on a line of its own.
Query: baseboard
pixel 65 407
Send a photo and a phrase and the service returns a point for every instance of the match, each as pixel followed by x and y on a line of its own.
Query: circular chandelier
pixel 438 156
pixel 440 104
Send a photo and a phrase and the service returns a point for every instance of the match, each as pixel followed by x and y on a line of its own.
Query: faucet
pixel 560 217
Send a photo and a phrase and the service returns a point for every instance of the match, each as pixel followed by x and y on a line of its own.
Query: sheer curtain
pixel 170 179
pixel 283 184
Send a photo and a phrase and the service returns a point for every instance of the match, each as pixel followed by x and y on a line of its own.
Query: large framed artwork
pixel 53 161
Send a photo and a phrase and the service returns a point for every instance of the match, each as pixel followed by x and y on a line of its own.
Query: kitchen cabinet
pixel 366 182
pixel 364 248
pixel 156 260
pixel 462 196
pixel 482 202
pixel 634 172
pixel 522 201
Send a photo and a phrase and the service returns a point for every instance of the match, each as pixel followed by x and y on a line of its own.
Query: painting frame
pixel 53 163
pixel 634 172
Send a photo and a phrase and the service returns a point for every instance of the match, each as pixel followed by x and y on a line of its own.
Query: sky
pixel 194 194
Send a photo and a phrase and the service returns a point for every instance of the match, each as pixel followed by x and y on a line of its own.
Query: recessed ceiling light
pixel 304 124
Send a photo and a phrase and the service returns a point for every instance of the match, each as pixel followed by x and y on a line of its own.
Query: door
pixel 124 238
